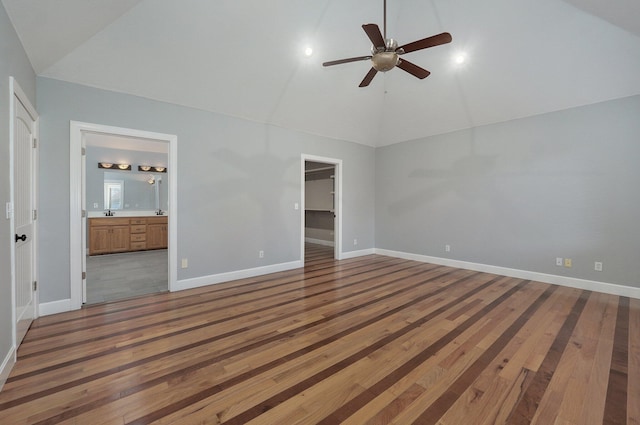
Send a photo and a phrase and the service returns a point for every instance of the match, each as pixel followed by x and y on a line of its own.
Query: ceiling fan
pixel 385 53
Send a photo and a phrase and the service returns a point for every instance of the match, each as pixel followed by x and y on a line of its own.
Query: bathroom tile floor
pixel 117 276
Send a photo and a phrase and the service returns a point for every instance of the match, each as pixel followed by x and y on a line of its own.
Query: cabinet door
pixel 99 240
pixel 155 238
pixel 120 238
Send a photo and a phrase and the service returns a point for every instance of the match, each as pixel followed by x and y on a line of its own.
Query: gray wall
pixel 521 193
pixel 13 62
pixel 237 182
pixel 139 195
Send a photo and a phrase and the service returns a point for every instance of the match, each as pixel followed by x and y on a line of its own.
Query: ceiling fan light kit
pixel 385 53
pixel 384 61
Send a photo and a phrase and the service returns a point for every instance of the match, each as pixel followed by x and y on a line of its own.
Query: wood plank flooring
pixel 369 340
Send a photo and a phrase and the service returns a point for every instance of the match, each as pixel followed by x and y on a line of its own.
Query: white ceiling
pixel 245 58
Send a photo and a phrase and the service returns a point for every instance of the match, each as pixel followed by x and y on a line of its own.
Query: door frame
pixel 76 130
pixel 17 92
pixel 337 231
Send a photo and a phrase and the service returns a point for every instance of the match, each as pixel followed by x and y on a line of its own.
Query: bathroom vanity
pixel 109 235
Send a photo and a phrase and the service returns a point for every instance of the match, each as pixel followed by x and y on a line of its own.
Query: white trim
pixel 235 275
pixel 337 201
pixel 572 282
pixel 7 364
pixel 12 224
pixel 17 91
pixel 55 307
pixel 75 217
pixel 319 241
pixel 359 253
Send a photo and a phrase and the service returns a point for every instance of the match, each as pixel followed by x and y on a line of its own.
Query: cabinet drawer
pixel 139 228
pixel 108 221
pixel 138 237
pixel 137 246
pixel 138 221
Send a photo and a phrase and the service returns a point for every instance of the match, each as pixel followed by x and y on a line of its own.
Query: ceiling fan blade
pixel 413 69
pixel 374 34
pixel 367 78
pixel 339 61
pixel 425 43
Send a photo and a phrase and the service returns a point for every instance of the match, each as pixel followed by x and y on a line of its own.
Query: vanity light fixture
pixel 152 168
pixel 112 166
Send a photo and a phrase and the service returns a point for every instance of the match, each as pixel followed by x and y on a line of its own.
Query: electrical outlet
pixel 296 206
pixel 95 205
pixel 355 242
pixel 559 261
pixel 597 266
pixel 185 263
pixel 260 254
pixel 447 248
pixel 567 262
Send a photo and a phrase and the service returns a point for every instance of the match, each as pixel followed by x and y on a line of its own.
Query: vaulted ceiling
pixel 245 58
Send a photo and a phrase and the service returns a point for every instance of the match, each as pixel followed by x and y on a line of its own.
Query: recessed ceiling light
pixel 308 51
pixel 460 58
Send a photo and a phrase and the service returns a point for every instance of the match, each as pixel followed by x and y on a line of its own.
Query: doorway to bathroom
pixel 123 213
pixel 126 199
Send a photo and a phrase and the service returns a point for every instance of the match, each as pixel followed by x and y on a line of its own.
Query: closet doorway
pixel 321 211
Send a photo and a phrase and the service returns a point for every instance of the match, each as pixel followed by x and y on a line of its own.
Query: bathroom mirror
pixel 134 191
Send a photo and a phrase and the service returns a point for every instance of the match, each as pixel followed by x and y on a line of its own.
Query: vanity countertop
pixel 126 213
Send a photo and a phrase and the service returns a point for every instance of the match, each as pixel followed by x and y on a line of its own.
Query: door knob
pixel 21 238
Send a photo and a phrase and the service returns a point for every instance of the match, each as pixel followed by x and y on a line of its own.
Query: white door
pixel 24 212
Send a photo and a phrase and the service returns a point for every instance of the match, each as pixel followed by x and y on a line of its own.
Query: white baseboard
pixel 54 307
pixel 7 365
pixel 591 285
pixel 319 241
pixel 239 274
pixel 359 253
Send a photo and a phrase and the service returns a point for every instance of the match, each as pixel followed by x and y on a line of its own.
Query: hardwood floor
pixel 370 340
pixel 315 252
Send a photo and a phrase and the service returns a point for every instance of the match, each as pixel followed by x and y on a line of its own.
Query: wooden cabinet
pixel 112 235
pixel 157 234
pixel 108 235
pixel 138 232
